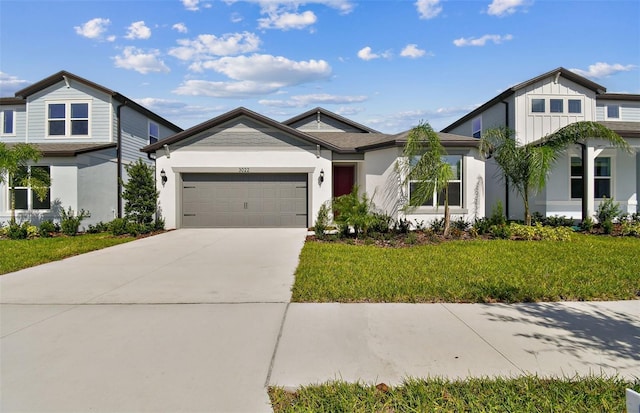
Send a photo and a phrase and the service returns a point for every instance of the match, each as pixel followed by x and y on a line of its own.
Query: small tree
pixel 427 169
pixel 14 167
pixel 140 193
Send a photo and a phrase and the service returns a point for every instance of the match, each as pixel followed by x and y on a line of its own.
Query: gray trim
pixel 347 157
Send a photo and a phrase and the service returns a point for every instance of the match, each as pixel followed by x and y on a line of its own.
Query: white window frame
pixel 475 130
pixel 544 101
pixel 30 193
pixel 13 122
pixel 67 119
pixel 606 111
pixel 150 135
pixel 610 177
pixel 561 100
pixel 569 100
pixel 460 180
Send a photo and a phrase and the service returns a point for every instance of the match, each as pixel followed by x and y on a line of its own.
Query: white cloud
pixel 481 41
pixel 313 99
pixel 138 30
pixel 95 29
pixel 601 69
pixel 180 28
pixel 343 6
pixel 412 51
pixel 191 5
pixel 366 53
pixel 142 62
pixel 236 18
pixel 225 89
pixel 11 84
pixel 505 7
pixel 174 109
pixel 207 46
pixel 428 9
pixel 286 21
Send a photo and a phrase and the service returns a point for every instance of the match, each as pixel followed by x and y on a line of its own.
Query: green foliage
pixel 630 228
pixel 140 193
pixel 98 228
pixel 497 215
pixel 402 226
pixel 461 224
pixel 526 394
pixel 70 222
pixel 437 226
pixel 538 232
pixel 380 223
pixel 502 231
pixel 587 224
pixel 118 226
pixel 47 228
pixel 606 213
pixel 352 211
pixel 322 221
pixel 16 231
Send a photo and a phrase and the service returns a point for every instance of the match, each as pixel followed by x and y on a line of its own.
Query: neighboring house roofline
pixel 225 117
pixel 12 101
pixel 560 71
pixel 63 75
pixel 618 96
pixel 363 128
pixel 68 149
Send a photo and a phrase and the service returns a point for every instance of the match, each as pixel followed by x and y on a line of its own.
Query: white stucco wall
pixel 231 160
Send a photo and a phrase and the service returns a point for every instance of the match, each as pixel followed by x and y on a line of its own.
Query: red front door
pixel 343 180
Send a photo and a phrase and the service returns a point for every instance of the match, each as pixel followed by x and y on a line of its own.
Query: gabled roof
pixel 66 76
pixel 225 117
pixel 560 71
pixel 363 128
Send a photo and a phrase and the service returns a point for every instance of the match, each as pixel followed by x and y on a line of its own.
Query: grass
pixel 588 267
pixel 524 394
pixel 19 254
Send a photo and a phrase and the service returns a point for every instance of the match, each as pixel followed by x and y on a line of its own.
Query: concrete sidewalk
pixel 386 343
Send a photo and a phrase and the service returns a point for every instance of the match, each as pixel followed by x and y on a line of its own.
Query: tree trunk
pixel 447 215
pixel 12 203
pixel 527 215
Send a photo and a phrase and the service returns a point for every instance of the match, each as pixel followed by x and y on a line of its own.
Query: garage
pixel 237 200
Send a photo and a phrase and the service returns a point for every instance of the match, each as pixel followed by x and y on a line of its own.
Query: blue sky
pixel 387 64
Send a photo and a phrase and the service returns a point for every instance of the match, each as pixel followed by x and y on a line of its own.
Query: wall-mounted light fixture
pixel 321 175
pixel 163 177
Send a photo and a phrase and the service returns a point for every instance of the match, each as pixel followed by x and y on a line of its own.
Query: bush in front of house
pixel 70 221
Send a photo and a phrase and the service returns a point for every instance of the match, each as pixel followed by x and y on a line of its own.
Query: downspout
pixel 506 179
pixel 119 157
pixel 585 184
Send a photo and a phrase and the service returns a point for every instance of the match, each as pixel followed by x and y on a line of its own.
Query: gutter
pixel 119 157
pixel 506 179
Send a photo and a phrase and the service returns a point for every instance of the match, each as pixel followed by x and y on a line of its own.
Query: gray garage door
pixel 244 200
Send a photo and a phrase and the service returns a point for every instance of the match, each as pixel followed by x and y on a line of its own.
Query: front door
pixel 343 179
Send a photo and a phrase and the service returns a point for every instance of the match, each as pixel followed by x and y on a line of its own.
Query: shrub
pixel 70 222
pixel 158 224
pixel 502 231
pixel 322 221
pixel 437 226
pixel 15 231
pixel 481 226
pixel 539 232
pixel 461 224
pixel 497 215
pixel 402 225
pixel 608 211
pixel 47 228
pixel 140 193
pixel 98 228
pixel 380 223
pixel 630 228
pixel 352 211
pixel 118 226
pixel 587 224
pixel 558 221
pixel 411 238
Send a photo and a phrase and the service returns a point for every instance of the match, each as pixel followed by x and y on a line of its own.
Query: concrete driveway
pixel 183 321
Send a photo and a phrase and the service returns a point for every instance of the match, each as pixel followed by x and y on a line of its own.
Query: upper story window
pixel 476 127
pixel 7 118
pixel 454 189
pixel 68 119
pixel 575 106
pixel 537 106
pixel 556 105
pixel 613 111
pixel 154 132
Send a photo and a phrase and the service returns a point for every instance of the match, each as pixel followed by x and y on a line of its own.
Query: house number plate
pixel 243 170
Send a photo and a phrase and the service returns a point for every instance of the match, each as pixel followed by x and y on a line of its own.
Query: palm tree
pixel 14 162
pixel 527 167
pixel 426 170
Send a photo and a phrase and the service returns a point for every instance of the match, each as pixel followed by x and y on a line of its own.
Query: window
pixel 613 111
pixel 476 127
pixel 575 106
pixel 537 105
pixel 68 119
pixel 154 132
pixel 454 188
pixel 556 105
pixel 25 197
pixel 8 124
pixel 602 177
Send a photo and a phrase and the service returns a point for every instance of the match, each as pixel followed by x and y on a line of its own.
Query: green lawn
pixel 588 267
pixel 524 394
pixel 18 254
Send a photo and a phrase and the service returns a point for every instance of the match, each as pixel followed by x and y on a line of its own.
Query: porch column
pixel 588 164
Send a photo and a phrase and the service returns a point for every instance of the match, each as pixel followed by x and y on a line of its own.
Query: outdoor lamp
pixel 163 176
pixel 321 175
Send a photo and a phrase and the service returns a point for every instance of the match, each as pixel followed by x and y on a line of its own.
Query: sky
pixel 387 64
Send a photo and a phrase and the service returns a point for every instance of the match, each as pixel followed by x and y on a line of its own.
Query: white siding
pixel 381 180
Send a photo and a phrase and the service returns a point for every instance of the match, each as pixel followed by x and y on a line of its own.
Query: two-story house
pixel 86 134
pixel 541 106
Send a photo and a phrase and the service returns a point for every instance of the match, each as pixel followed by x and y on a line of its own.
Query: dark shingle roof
pixel 363 128
pixel 624 129
pixel 69 149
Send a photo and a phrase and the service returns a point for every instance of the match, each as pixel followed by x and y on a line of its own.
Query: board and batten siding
pixel 99 113
pixel 531 126
pixel 629 111
pixel 323 124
